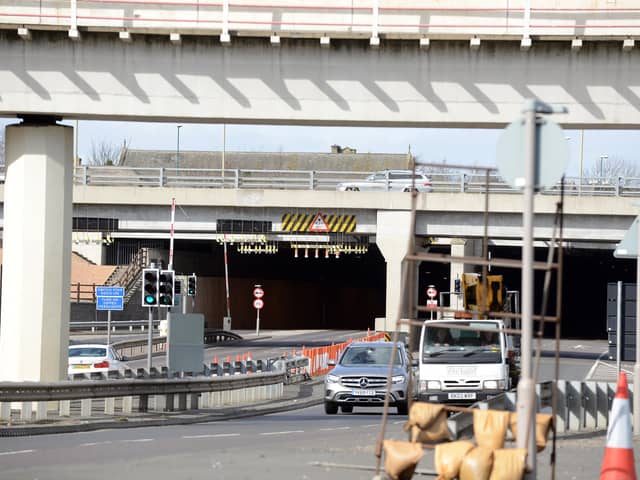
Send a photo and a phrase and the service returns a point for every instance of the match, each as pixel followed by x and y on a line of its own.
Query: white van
pixel 464 366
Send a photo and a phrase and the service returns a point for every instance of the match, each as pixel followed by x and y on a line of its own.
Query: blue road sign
pixel 110 303
pixel 109 291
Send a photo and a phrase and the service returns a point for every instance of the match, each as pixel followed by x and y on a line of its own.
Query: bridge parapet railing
pixel 447 181
pixel 336 18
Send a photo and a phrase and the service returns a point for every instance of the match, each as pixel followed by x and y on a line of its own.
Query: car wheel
pixel 353 189
pixel 346 408
pixel 403 408
pixel 330 408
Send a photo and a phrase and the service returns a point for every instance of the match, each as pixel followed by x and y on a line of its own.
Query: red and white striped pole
pixel 226 275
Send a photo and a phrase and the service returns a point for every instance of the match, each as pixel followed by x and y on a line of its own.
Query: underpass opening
pixel 586 272
pixel 303 292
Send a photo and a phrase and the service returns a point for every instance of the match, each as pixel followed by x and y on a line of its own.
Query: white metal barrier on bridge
pixel 372 19
pixel 450 181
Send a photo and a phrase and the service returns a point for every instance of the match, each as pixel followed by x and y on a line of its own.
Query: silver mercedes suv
pixel 359 379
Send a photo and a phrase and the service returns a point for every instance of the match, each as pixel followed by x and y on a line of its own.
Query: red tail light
pixel 102 364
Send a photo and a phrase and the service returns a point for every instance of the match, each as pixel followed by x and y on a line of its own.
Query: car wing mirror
pixel 124 358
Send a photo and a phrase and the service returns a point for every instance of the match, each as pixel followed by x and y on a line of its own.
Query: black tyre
pixel 353 189
pixel 403 408
pixel 330 408
pixel 346 408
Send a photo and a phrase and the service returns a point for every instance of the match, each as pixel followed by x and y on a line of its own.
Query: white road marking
pixel 216 435
pixel 594 366
pixel 93 444
pixel 286 432
pixel 370 426
pixel 16 452
pixel 334 428
pixel 138 440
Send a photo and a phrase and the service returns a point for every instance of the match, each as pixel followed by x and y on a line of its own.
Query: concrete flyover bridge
pixel 378 63
pixel 372 62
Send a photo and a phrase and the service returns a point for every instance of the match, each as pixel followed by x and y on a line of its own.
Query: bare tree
pixel 611 167
pixel 107 154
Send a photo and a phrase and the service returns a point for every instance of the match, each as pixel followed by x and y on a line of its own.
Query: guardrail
pixel 29 401
pixel 341 19
pixel 450 181
pixel 581 406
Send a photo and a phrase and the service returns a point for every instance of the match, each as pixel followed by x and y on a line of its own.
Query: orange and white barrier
pixel 319 357
pixel 618 454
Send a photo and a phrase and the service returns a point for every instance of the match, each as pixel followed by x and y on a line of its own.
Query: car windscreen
pixel 460 345
pixel 369 355
pixel 87 352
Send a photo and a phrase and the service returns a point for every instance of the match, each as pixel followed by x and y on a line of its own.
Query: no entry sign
pixel 432 292
pixel 258 292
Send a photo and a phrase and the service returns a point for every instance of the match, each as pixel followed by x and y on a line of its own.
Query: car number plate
pixel 363 393
pixel 80 366
pixel 462 396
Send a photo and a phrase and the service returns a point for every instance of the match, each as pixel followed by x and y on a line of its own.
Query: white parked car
pixel 390 180
pixel 89 358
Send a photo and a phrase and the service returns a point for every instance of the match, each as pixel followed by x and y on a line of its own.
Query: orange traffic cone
pixel 618 454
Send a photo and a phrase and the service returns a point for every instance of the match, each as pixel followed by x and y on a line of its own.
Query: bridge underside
pixel 349 83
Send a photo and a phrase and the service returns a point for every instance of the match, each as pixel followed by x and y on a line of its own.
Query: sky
pixel 473 147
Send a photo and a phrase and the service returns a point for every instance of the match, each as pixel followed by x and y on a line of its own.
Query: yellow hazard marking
pixel 387 337
pixel 302 222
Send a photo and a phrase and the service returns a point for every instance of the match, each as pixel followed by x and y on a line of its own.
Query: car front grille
pixel 461 384
pixel 365 382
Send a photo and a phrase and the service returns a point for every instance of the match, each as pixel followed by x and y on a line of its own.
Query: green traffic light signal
pixel 150 287
pixel 191 285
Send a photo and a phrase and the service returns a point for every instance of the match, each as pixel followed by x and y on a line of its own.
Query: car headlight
pixel 333 378
pixel 494 384
pixel 433 385
pixel 398 379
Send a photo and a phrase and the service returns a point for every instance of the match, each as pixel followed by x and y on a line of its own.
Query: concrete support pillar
pixel 392 238
pixel 34 333
pixel 460 248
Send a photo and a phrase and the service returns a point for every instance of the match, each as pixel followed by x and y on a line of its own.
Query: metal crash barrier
pixel 24 402
pixel 581 406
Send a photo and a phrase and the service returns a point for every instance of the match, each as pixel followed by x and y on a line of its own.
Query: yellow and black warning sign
pixel 318 222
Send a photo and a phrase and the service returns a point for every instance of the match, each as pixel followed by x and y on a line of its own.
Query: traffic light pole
pixel 150 340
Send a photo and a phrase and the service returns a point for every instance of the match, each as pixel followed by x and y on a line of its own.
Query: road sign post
pixel 109 298
pixel 432 292
pixel 258 303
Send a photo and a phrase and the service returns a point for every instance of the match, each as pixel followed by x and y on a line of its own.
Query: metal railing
pixel 336 18
pixel 453 182
pixel 26 402
pixel 581 406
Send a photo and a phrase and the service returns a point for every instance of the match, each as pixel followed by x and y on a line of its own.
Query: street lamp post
pixel 602 159
pixel 178 149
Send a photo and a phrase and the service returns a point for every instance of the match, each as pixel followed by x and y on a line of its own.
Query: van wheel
pixel 403 408
pixel 330 408
pixel 346 408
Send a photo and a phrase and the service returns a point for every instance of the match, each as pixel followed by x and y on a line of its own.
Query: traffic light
pixel 166 288
pixel 495 301
pixel 150 277
pixel 191 285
